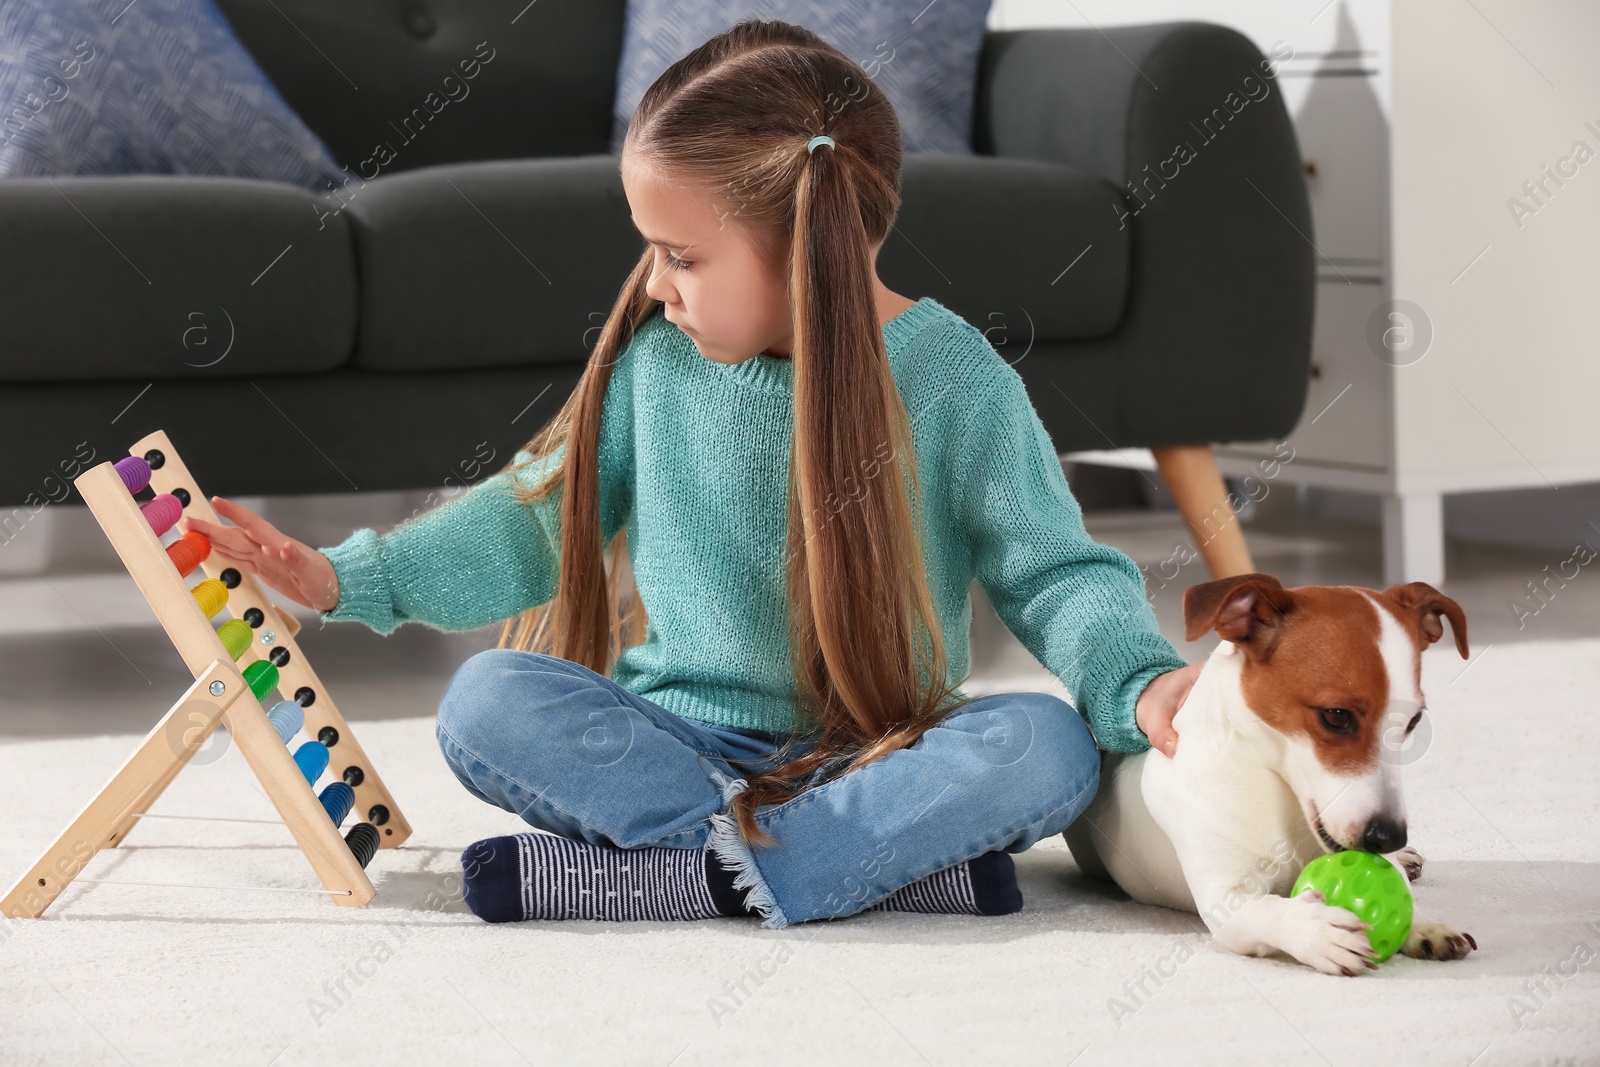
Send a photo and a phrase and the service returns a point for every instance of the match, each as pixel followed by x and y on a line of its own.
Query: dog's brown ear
pixel 1426 604
pixel 1246 609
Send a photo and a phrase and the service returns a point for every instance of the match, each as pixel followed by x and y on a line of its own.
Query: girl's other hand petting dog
pixel 1160 701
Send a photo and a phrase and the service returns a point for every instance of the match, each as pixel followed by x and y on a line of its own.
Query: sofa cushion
pixel 1027 251
pixel 489 264
pixel 161 87
pixel 923 57
pixel 520 261
pixel 159 277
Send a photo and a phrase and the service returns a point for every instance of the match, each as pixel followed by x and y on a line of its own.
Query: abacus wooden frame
pixel 216 696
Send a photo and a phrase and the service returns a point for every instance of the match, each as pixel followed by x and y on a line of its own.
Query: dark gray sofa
pixel 374 341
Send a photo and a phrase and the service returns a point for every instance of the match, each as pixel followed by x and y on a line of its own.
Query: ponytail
pixel 864 634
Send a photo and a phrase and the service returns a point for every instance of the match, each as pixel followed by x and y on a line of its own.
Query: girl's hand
pixel 1160 701
pixel 257 547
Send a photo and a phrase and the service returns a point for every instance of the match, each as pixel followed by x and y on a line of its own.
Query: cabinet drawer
pixel 1344 142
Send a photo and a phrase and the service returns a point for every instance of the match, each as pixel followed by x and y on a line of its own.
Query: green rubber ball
pixel 1368 885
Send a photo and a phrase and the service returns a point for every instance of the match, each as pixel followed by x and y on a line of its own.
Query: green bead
pixel 235 634
pixel 262 676
pixel 1368 885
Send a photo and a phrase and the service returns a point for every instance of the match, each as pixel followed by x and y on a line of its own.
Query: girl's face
pixel 714 285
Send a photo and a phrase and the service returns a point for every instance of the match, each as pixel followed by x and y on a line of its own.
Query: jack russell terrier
pixel 1287 750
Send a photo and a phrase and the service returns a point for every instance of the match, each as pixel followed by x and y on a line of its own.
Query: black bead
pixel 182 494
pixel 230 578
pixel 254 618
pixel 304 696
pixel 378 815
pixel 363 842
pixel 279 656
pixel 328 736
pixel 354 776
pixel 155 458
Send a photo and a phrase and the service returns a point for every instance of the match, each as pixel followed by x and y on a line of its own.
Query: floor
pixel 116 974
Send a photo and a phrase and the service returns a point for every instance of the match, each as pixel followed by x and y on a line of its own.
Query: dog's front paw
pixel 1435 941
pixel 1409 860
pixel 1333 940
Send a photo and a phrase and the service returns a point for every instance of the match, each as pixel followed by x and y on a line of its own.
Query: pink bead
pixel 161 512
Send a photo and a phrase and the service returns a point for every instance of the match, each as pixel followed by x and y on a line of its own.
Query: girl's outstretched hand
pixel 1160 701
pixel 257 547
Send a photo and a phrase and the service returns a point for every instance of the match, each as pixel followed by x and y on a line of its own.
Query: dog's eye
pixel 1412 725
pixel 1339 720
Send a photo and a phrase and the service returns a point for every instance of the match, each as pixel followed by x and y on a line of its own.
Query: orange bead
pixel 188 551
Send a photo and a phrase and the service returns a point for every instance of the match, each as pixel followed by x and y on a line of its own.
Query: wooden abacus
pixel 234 668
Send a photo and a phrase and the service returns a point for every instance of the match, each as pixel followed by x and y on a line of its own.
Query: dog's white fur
pixel 1225 826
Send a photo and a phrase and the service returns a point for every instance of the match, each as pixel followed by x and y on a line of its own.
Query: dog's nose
pixel 1383 835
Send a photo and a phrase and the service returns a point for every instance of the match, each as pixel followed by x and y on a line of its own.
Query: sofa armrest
pixel 1187 119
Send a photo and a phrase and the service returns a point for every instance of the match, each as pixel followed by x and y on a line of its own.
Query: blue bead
pixel 287 717
pixel 313 759
pixel 337 800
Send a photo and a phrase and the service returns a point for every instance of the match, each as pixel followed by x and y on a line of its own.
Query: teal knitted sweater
pixel 694 461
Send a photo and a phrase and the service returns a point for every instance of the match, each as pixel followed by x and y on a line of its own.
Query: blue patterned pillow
pixel 924 56
pixel 151 87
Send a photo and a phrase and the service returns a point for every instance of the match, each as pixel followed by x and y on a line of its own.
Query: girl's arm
pixel 472 561
pixel 1077 605
pixel 482 557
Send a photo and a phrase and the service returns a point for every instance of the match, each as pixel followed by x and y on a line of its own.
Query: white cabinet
pixel 1455 335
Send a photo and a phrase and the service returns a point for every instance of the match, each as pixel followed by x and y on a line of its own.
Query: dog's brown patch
pixel 1305 649
pixel 1328 656
pixel 1323 646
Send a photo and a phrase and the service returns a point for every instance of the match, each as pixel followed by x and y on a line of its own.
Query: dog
pixel 1288 749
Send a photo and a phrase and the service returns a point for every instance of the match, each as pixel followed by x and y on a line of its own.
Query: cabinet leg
pixel 1413 538
pixel 1202 497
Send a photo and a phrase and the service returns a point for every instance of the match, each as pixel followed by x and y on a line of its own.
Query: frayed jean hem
pixel 733 853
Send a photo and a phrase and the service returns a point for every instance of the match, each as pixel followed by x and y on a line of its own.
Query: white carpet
pixel 1503 805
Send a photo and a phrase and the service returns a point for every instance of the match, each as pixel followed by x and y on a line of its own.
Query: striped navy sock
pixel 546 876
pixel 984 885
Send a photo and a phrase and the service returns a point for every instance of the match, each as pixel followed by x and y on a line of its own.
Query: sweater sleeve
pixel 482 557
pixel 1079 606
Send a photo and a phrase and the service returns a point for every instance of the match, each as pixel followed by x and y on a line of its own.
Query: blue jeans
pixel 572 752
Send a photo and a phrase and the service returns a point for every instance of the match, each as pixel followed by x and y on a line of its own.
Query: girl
pixel 803 472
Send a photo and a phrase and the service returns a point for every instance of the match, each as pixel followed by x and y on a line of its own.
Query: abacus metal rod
pixel 192 885
pixel 202 818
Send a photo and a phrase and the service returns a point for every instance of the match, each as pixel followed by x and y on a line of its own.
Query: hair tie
pixel 820 138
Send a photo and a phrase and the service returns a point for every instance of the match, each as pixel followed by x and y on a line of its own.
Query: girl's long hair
pixel 732 120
